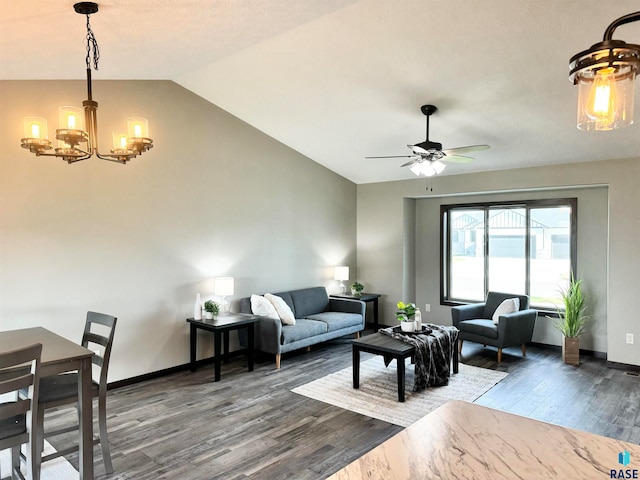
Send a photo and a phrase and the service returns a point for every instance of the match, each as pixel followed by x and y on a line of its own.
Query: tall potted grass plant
pixel 572 320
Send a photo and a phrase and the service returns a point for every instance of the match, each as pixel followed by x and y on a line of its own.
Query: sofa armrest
pixel 346 306
pixel 466 312
pixel 517 327
pixel 268 332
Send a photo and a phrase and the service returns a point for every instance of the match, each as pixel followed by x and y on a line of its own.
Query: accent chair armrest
pixel 517 327
pixel 466 312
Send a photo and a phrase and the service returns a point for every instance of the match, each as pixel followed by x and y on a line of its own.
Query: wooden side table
pixel 367 298
pixel 222 324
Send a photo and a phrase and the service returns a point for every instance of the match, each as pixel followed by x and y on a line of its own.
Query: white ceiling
pixel 338 80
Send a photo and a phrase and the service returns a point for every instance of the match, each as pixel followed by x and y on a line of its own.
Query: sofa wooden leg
pixel 460 345
pixel 308 349
pixel 357 334
pixel 524 349
pixel 277 361
pixel 499 355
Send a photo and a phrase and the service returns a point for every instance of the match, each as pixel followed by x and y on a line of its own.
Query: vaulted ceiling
pixel 338 80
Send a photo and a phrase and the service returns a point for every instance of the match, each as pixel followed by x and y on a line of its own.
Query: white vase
pixel 418 321
pixel 197 308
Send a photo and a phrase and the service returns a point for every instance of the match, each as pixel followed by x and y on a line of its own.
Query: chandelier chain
pixel 92 43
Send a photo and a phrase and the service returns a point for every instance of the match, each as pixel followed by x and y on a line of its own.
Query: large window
pixel 524 248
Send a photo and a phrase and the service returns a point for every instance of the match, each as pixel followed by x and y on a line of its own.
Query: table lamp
pixel 341 273
pixel 223 286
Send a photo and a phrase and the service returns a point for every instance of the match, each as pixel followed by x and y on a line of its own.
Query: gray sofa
pixel 318 319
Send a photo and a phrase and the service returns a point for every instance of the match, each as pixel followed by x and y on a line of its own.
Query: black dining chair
pixel 62 389
pixel 20 371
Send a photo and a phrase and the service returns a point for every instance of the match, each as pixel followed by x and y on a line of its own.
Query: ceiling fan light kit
pixel 605 75
pixel 76 127
pixel 428 156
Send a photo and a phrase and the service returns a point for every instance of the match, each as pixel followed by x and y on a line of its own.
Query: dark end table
pixel 222 324
pixel 366 298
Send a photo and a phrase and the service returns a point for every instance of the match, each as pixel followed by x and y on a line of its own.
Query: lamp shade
pixel 223 286
pixel 137 127
pixel 341 273
pixel 606 98
pixel 35 127
pixel 70 118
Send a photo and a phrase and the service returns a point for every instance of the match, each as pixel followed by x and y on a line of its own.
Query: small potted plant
pixel 405 314
pixel 211 309
pixel 357 288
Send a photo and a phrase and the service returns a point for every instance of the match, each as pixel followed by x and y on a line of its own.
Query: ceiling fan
pixel 428 156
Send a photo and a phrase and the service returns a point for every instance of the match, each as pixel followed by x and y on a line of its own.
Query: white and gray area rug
pixel 56 469
pixel 377 396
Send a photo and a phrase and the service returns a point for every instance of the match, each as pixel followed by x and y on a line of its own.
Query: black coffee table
pixel 389 348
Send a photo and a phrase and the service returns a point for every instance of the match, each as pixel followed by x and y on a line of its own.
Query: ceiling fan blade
pixel 457 159
pixel 470 148
pixel 394 156
pixel 410 162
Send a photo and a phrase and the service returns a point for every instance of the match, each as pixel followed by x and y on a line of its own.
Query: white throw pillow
pixel 262 306
pixel 509 305
pixel 284 312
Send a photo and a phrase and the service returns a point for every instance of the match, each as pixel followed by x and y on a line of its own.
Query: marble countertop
pixel 462 440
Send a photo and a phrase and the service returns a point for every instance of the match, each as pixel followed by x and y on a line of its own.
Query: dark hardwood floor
pixel 250 425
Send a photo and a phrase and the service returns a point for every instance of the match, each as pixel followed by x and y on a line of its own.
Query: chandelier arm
pixel 630 17
pixel 123 159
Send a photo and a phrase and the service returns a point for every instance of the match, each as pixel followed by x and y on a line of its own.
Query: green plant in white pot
pixel 572 320
pixel 357 288
pixel 404 314
pixel 211 309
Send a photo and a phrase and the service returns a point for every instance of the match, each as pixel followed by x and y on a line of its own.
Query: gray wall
pixel 214 197
pixel 608 223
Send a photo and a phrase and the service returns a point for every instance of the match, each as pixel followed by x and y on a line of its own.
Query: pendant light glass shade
pixel 605 75
pixel 606 98
pixel 35 127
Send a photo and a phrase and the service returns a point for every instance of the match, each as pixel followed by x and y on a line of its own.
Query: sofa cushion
pixel 303 328
pixel 262 306
pixel 480 326
pixel 509 305
pixel 337 320
pixel 284 312
pixel 308 301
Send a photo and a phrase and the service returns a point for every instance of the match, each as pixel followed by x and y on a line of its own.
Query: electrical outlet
pixel 427 307
pixel 630 338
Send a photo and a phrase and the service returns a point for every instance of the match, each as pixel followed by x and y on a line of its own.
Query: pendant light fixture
pixel 75 127
pixel 605 75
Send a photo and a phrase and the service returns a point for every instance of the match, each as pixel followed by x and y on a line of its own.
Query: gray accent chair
pixel 318 319
pixel 476 325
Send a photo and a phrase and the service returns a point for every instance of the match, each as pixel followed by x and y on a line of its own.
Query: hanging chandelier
pixel 75 127
pixel 605 75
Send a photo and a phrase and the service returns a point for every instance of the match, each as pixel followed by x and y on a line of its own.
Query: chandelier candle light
pixel 605 75
pixel 76 127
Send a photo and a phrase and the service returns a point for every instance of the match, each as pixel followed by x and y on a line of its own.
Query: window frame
pixel 445 241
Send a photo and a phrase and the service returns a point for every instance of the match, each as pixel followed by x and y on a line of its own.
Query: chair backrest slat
pixel 13 383
pixel 104 340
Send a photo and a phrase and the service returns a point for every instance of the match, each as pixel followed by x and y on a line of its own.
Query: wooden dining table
pixel 60 355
